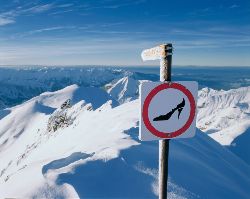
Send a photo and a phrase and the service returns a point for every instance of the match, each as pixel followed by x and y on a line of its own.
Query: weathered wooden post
pixel 164 53
pixel 165 75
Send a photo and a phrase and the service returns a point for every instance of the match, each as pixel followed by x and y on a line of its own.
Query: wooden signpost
pixel 168 109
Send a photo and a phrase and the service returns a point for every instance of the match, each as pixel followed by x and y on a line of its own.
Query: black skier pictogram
pixel 167 116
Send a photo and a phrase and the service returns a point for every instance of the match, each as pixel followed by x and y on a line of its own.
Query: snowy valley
pixel 82 141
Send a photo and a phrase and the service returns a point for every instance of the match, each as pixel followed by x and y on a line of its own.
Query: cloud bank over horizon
pixel 114 33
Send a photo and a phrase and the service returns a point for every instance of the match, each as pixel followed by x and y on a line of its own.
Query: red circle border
pixel 148 99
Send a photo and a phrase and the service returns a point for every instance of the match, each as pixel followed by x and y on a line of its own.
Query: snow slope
pixel 224 115
pixel 125 89
pixel 15 121
pixel 241 147
pixel 97 153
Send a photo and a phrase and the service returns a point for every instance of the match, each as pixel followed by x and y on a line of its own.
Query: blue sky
pixel 112 32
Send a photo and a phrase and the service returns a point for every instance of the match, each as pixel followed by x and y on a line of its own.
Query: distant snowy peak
pixel 224 115
pixel 20 84
pixel 2 105
pixel 124 89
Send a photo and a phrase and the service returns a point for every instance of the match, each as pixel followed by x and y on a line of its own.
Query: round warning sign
pixel 168 110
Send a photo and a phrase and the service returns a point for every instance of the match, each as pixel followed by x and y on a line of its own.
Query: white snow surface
pixel 224 115
pixel 99 154
pixel 125 89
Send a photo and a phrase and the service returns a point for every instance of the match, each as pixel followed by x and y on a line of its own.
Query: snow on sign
pixel 168 110
pixel 154 53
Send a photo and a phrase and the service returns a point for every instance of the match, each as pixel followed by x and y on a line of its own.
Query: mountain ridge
pixel 89 154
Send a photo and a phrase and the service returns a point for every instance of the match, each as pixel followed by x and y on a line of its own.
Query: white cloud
pixel 234 6
pixel 8 17
pixel 5 21
pixel 65 5
pixel 38 31
pixel 111 4
pixel 61 12
pixel 45 29
pixel 21 10
pixel 40 8
pixel 114 51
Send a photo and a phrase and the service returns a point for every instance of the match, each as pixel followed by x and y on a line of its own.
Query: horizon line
pixel 113 65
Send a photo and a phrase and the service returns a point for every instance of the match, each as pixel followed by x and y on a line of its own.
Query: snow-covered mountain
pixel 78 142
pixel 225 117
pixel 21 84
pixel 2 105
pixel 15 121
pixel 125 89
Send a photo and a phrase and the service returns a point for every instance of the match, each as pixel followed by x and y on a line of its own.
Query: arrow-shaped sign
pixel 158 52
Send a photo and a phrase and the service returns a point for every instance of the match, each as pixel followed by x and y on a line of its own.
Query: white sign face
pixel 168 110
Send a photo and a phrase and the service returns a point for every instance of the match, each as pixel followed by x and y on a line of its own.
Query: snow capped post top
pixel 158 52
pixel 162 52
